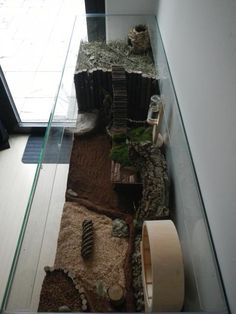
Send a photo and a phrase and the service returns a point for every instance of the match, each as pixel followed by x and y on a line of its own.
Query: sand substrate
pixel 109 252
pixel 110 258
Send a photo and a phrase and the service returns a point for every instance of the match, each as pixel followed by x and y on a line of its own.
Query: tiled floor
pixel 34 37
pixel 16 181
pixel 15 188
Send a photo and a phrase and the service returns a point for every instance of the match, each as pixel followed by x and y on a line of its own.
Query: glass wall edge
pixel 22 312
pixel 115 14
pixel 193 166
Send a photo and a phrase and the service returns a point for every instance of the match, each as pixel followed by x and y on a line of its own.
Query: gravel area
pixel 101 55
pixel 53 294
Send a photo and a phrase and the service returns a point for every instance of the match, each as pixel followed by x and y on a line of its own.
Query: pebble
pixel 119 228
pixel 47 269
pixel 84 307
pixel 64 308
pixel 72 193
pixel 84 302
pixel 81 290
pixel 71 274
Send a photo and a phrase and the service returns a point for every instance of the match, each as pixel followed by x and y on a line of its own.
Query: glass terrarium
pixel 79 246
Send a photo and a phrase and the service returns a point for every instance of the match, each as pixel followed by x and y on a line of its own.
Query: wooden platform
pixel 123 175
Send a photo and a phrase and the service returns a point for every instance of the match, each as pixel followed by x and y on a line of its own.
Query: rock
pixel 47 269
pixel 72 193
pixel 84 302
pixel 84 307
pixel 82 296
pixel 71 275
pixel 64 308
pixel 120 228
pixel 100 288
pixel 86 122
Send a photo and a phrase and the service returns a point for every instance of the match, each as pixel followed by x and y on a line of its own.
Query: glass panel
pixel 203 291
pixel 34 48
pixel 38 241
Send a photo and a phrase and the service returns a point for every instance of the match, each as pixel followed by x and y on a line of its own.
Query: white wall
pixel 200 42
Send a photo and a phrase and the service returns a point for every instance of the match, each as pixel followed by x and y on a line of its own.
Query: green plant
pixel 140 134
pixel 120 154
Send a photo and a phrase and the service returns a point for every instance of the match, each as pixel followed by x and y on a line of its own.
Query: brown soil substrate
pixel 90 170
pixel 58 290
pixel 90 174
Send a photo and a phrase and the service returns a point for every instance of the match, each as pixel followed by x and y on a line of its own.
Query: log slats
pixel 119 175
pixel 91 85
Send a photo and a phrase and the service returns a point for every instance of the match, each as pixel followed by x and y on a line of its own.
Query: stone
pixel 47 269
pixel 84 302
pixel 84 307
pixel 82 296
pixel 81 290
pixel 64 308
pixel 72 193
pixel 71 274
pixel 119 228
pixel 86 122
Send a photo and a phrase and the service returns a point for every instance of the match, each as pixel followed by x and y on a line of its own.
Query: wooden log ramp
pixel 120 99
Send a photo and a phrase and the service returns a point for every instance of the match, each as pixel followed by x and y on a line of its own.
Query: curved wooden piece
pixel 162 267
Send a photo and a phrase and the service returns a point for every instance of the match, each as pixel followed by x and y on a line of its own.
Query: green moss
pixel 120 154
pixel 120 150
pixel 140 134
pixel 119 138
